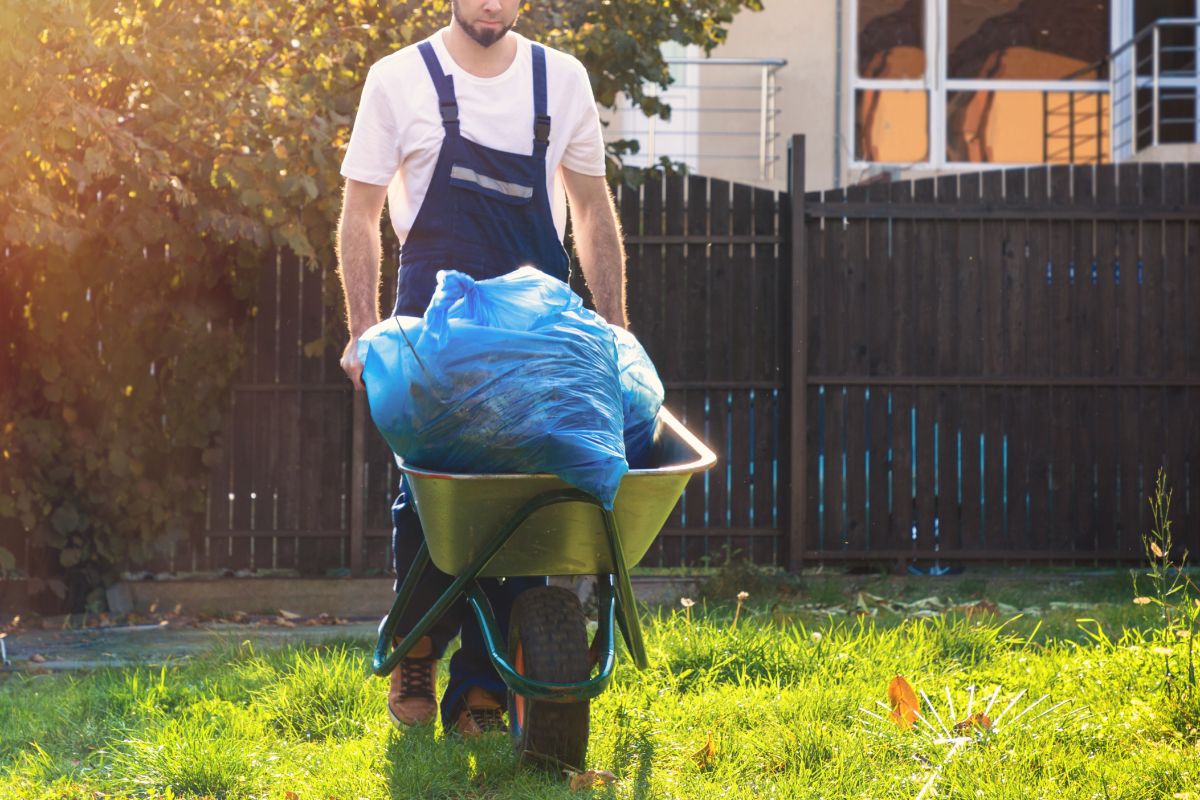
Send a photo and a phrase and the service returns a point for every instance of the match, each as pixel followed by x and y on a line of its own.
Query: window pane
pixel 1027 39
pixel 1027 127
pixel 891 126
pixel 891 41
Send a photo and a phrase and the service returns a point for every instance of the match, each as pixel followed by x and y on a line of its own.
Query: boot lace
pixel 488 719
pixel 417 677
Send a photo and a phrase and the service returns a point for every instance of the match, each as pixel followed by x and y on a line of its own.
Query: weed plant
pixel 1173 592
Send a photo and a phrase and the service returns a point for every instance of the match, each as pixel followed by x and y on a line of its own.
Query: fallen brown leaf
pixel 591 779
pixel 905 706
pixel 291 796
pixel 37 658
pixel 981 608
pixel 283 612
pixel 976 720
pixel 705 755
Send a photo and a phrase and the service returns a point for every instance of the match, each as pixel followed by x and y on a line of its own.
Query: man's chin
pixel 486 37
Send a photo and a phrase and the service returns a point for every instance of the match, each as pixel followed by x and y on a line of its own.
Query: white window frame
pixel 937 85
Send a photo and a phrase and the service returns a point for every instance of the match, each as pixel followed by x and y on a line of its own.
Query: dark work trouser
pixel 470 665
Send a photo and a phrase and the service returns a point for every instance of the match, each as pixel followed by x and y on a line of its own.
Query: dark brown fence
pixel 998 364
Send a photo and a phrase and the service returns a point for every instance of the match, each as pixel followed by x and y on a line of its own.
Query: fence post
pixel 798 373
pixel 357 489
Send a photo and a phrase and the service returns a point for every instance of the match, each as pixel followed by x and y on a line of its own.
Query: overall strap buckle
pixel 541 129
pixel 449 110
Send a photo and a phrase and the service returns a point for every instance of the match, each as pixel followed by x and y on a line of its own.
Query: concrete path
pixel 97 648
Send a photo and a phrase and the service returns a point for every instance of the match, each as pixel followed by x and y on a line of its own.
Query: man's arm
pixel 359 254
pixel 598 242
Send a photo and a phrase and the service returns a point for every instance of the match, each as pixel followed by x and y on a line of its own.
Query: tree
pixel 154 151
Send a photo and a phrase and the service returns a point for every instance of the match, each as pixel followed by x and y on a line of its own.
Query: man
pixel 472 136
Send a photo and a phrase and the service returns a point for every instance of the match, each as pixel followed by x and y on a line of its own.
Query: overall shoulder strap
pixel 541 119
pixel 443 83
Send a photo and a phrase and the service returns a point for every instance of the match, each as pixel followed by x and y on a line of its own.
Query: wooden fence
pixel 998 364
pixel 987 366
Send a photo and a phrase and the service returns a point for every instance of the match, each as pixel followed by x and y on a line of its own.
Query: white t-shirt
pixel 398 129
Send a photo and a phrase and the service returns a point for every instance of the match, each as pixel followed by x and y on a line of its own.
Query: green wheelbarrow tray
pixel 514 525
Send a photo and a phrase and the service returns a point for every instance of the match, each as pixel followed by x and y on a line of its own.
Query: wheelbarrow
pixel 505 525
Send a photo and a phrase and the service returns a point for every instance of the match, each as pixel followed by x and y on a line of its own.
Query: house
pixel 920 87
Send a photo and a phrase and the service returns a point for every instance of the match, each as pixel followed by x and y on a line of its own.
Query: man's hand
pixel 351 365
pixel 358 265
pixel 598 243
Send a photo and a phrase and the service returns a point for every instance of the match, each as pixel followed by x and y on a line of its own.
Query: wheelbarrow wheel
pixel 547 641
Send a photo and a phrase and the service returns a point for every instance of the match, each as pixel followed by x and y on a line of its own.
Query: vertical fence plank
pixel 1149 362
pixel 772 346
pixel 653 332
pixel 950 269
pixel 1128 345
pixel 969 269
pixel 701 404
pixel 676 275
pixel 1105 272
pixel 1190 481
pixel 1037 429
pixel 729 478
pixel 880 354
pixel 1175 276
pixel 1061 465
pixel 741 277
pixel 927 349
pixel 853 313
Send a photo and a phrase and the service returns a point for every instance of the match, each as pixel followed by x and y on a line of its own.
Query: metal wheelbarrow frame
pixel 549 528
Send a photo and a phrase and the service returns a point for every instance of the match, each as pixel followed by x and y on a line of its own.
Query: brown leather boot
pixel 481 713
pixel 411 693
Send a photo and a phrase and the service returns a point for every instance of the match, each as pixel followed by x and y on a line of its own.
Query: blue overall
pixel 486 213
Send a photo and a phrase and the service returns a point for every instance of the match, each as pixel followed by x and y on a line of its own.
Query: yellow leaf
pixel 69 415
pixel 902 698
pixel 705 755
pixel 1154 548
pixel 591 779
pixel 281 150
pixel 1141 601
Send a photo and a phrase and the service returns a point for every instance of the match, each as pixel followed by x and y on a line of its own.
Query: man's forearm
pixel 602 259
pixel 359 256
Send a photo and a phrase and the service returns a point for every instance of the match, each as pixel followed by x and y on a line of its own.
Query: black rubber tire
pixel 548 625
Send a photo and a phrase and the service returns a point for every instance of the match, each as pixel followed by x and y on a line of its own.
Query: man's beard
pixel 484 37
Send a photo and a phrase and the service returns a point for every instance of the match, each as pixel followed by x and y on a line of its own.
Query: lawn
pixel 782 695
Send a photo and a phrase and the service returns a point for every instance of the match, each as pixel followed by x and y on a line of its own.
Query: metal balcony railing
pixel 728 114
pixel 1154 82
pixel 1152 98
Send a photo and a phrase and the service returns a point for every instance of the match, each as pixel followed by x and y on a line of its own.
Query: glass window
pixel 892 126
pixel 1027 39
pixel 1031 127
pixel 891 40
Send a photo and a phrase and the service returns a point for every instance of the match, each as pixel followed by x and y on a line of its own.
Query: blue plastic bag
pixel 641 395
pixel 506 375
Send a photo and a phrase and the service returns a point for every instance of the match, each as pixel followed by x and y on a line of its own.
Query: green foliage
pixel 153 153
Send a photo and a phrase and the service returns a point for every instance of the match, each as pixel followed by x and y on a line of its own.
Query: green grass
pixel 781 695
